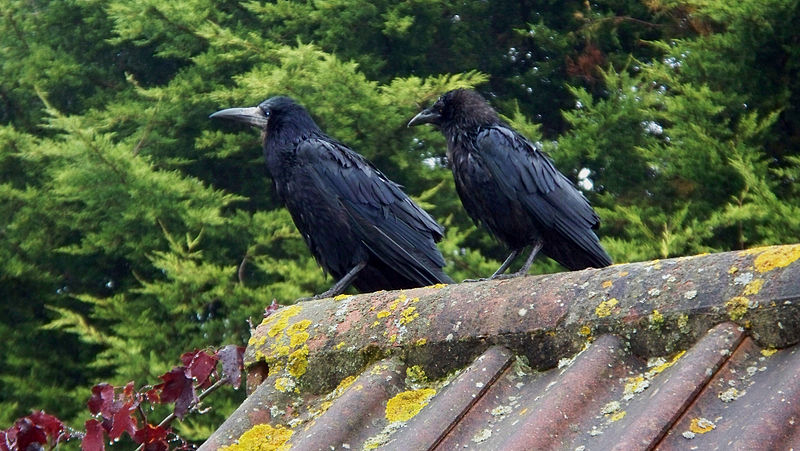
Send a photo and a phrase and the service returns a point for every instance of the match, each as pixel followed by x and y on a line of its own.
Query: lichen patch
pixel 737 307
pixel 753 287
pixel 701 425
pixel 405 405
pixel 262 437
pixel 605 307
pixel 776 257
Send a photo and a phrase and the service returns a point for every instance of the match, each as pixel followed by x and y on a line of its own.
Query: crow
pixel 509 185
pixel 359 225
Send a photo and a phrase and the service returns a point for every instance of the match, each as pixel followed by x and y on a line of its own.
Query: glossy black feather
pixel 347 211
pixel 506 183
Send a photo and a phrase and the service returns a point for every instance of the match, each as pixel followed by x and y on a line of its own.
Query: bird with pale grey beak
pixel 359 225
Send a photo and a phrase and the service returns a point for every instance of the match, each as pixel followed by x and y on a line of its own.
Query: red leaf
pixel 93 440
pixel 154 438
pixel 122 421
pixel 5 440
pixel 200 365
pixel 232 358
pixel 153 396
pixel 128 392
pixel 28 433
pixel 101 399
pixel 179 388
pixel 52 426
pixel 272 308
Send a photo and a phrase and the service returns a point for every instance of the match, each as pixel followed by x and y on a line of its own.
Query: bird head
pixel 269 115
pixel 457 106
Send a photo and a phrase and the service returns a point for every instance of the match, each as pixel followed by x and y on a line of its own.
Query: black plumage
pixel 507 184
pixel 359 225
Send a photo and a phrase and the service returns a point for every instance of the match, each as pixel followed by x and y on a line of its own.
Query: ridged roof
pixel 689 353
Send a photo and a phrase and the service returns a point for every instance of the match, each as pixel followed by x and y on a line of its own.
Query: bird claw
pixel 482 279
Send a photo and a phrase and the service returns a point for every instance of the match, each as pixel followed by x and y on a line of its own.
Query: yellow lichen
pixel 340 345
pixel 656 319
pixel 636 384
pixel 408 315
pixel 701 425
pixel 421 341
pixel 397 301
pixel 414 300
pixel 623 273
pixel 607 284
pixel 281 319
pixel 275 368
pixel 737 307
pixel 280 350
pixel 298 339
pixel 768 352
pixel 604 309
pixel 523 411
pixel 753 287
pixel 298 327
pixel 298 362
pixel 659 368
pixel 683 321
pixel 585 330
pixel 416 375
pixel 262 437
pixel 437 285
pixel 392 338
pixel 340 297
pixel 297 333
pixel 375 324
pixel 732 270
pixel 346 382
pixel 257 341
pixel 383 314
pixel 776 257
pixel 284 384
pixel 405 405
pixel 617 416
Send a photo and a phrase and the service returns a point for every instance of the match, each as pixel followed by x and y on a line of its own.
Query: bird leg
pixel 506 263
pixel 524 270
pixel 502 267
pixel 339 286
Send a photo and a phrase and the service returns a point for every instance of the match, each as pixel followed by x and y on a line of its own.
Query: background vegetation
pixel 133 229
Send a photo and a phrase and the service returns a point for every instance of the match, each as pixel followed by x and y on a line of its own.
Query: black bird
pixel 359 225
pixel 506 183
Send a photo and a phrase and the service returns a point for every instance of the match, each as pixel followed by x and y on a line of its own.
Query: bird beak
pixel 251 116
pixel 427 116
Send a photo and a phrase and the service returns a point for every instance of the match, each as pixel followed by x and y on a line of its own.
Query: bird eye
pixel 265 111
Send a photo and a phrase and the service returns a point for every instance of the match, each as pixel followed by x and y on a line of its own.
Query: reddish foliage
pixel 101 399
pixel 587 64
pixel 116 411
pixel 154 438
pixel 232 358
pixel 200 365
pixel 272 308
pixel 93 440
pixel 37 428
pixel 177 387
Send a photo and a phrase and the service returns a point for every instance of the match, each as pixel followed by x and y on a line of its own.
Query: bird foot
pixel 497 277
pixel 509 276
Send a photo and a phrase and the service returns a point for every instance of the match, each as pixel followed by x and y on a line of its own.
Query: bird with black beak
pixel 509 185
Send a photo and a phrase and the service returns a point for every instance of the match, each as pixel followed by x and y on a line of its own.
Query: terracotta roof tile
pixel 676 354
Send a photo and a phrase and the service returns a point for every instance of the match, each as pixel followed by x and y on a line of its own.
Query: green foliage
pixel 133 229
